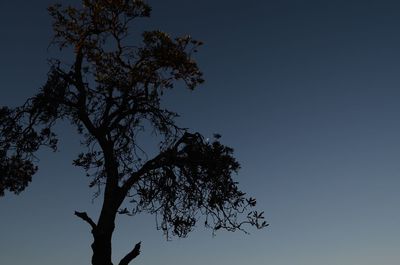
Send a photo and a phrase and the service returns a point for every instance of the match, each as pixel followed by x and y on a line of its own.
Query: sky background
pixel 307 93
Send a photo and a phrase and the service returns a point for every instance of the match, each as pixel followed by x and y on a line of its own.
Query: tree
pixel 111 93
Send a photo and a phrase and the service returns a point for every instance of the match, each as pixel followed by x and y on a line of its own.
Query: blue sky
pixel 307 93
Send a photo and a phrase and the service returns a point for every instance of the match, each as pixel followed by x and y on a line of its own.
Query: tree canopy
pixel 111 93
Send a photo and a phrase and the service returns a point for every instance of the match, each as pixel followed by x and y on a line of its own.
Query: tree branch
pixel 131 255
pixel 86 218
pixel 157 162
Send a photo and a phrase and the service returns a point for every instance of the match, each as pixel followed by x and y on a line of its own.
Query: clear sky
pixel 307 92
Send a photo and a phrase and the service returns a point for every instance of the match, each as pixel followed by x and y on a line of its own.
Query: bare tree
pixel 111 93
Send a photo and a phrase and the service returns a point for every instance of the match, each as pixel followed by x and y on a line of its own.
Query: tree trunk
pixel 102 235
pixel 102 249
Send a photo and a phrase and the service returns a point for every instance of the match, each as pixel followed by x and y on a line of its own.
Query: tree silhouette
pixel 111 93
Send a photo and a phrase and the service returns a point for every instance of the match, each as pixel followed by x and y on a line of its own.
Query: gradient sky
pixel 307 92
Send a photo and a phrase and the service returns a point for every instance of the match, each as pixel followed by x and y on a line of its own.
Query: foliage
pixel 110 94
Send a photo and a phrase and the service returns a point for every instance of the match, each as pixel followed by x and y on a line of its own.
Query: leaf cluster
pixel 111 93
